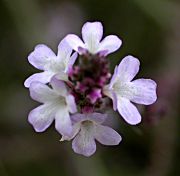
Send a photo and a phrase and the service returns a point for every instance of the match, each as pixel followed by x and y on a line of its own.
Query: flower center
pixel 88 77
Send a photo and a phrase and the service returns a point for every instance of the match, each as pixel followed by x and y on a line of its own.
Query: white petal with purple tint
pixel 40 56
pixel 41 92
pixel 128 68
pixel 43 77
pixel 75 130
pixel 128 111
pixel 97 117
pixel 92 33
pixel 84 142
pixel 64 50
pixel 145 91
pixel 58 86
pixel 63 122
pixel 115 101
pixel 71 103
pixel 114 77
pixel 106 135
pixel 71 62
pixel 41 117
pixel 74 41
pixel 110 43
pixel 76 118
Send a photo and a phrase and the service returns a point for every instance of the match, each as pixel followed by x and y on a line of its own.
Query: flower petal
pixel 107 136
pixel 75 130
pixel 97 117
pixel 59 86
pixel 115 101
pixel 63 122
pixel 41 92
pixel 43 77
pixel 128 111
pixel 74 41
pixel 92 33
pixel 84 143
pixel 62 76
pixel 64 50
pixel 145 91
pixel 71 62
pixel 128 68
pixel 111 94
pixel 41 117
pixel 71 103
pixel 114 77
pixel 76 118
pixel 110 43
pixel 40 56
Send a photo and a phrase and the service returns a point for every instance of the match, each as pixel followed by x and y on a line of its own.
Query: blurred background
pixel 150 30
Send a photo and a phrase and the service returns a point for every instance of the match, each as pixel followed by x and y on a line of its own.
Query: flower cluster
pixel 75 83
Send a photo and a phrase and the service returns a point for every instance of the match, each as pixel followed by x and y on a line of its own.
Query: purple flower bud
pixel 94 95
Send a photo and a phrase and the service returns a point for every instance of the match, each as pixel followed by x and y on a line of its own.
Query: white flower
pixel 86 129
pixel 92 33
pixel 57 104
pixel 122 90
pixel 43 58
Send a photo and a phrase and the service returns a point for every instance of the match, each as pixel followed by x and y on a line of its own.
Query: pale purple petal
pixel 106 135
pixel 64 50
pixel 145 91
pixel 71 103
pixel 41 117
pixel 92 28
pixel 72 60
pixel 75 131
pixel 84 143
pixel 43 77
pixel 63 122
pixel 76 118
pixel 113 79
pixel 128 68
pixel 128 111
pixel 115 100
pixel 41 92
pixel 97 117
pixel 40 56
pixel 74 41
pixel 92 33
pixel 59 86
pixel 62 76
pixel 110 43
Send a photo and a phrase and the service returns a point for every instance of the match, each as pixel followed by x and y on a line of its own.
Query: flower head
pixel 86 129
pixel 92 33
pixel 57 104
pixel 122 90
pixel 84 87
pixel 43 58
pixel 87 79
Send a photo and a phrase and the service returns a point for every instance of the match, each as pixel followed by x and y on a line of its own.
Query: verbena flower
pixel 92 33
pixel 83 86
pixel 122 90
pixel 86 129
pixel 43 58
pixel 57 104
